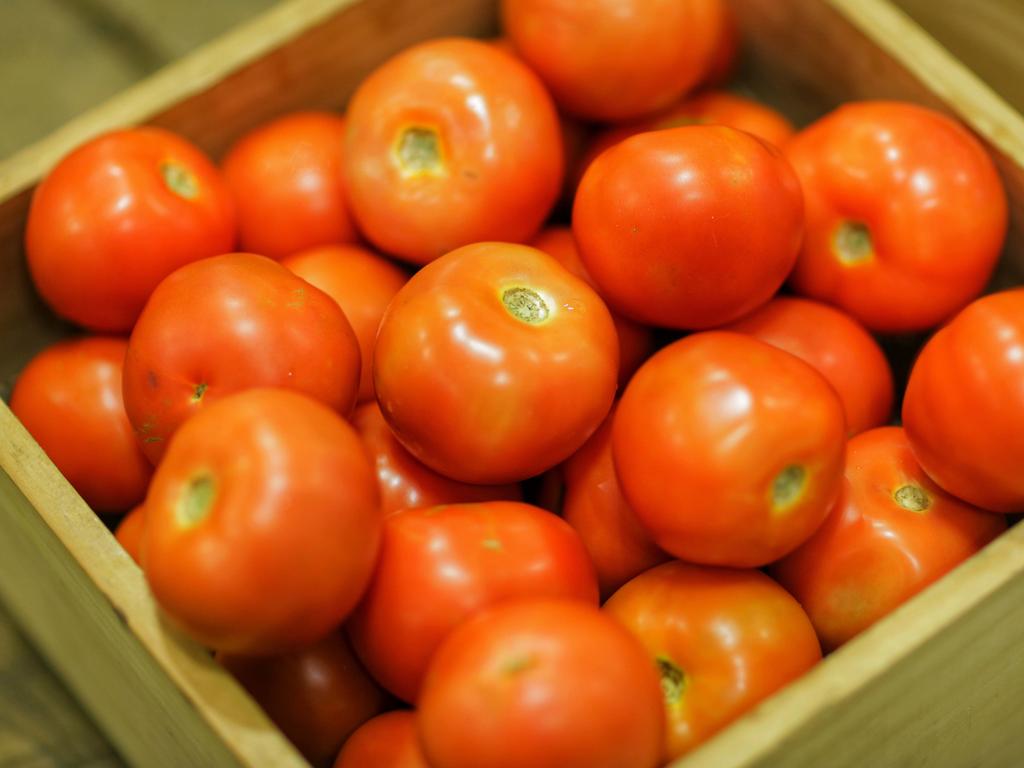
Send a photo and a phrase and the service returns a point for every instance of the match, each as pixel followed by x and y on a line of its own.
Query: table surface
pixel 104 46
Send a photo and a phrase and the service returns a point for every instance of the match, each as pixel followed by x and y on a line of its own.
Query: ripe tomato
pixel 688 227
pixel 725 49
pixel 286 176
pixel 317 695
pixel 69 399
pixel 729 451
pixel 405 483
pixel 119 214
pixel 129 533
pixel 635 340
pixel 964 406
pixel 262 523
pixel 451 142
pixel 611 60
pixel 562 686
pixel 618 545
pixel 839 349
pixel 226 324
pixel 386 741
pixel 906 215
pixel 362 283
pixel 439 565
pixel 722 639
pixel 494 363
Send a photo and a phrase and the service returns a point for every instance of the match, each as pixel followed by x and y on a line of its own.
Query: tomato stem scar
pixel 196 500
pixel 525 304
pixel 852 243
pixel 788 487
pixel 673 680
pixel 198 392
pixel 912 498
pixel 418 152
pixel 180 180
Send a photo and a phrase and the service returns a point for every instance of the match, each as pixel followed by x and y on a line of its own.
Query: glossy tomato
pixel 494 363
pixel 610 60
pixel 688 227
pixel 404 482
pixel 729 451
pixel 439 565
pixel 964 406
pixel 837 346
pixel 362 283
pixel 69 399
pixel 891 533
pixel 129 533
pixel 545 684
pixel 451 142
pixel 386 741
pixel 317 695
pixel 286 176
pixel 262 523
pixel 722 639
pixel 594 505
pixel 906 214
pixel 228 323
pixel 119 214
pixel 635 341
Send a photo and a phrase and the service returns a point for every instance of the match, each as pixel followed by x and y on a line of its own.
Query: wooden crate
pixel 938 683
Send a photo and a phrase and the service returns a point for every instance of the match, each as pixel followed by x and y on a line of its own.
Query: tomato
pixel 837 346
pixel 451 142
pixel 362 283
pixel 386 741
pixel 611 60
pixel 317 695
pixel 688 227
pixel 725 49
pixel 494 363
pixel 891 533
pixel 729 451
pixel 119 214
pixel 404 483
pixel 618 545
pixel 129 533
pixel 545 684
pixel 906 215
pixel 226 324
pixel 635 340
pixel 964 407
pixel 262 523
pixel 722 639
pixel 439 565
pixel 286 177
pixel 69 399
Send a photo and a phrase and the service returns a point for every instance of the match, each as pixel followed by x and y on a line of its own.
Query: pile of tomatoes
pixel 569 496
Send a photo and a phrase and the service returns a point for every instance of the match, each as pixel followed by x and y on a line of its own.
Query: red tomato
pixel 262 523
pixel 725 50
pixel 729 451
pixel 69 399
pixel 688 227
pixel 439 565
pixel 129 533
pixel 611 60
pixel 635 340
pixel 494 363
pixel 964 406
pixel 892 533
pixel 362 283
pixel 230 323
pixel 451 142
pixel 119 214
pixel 286 176
pixel 839 349
pixel 618 545
pixel 722 639
pixel 405 483
pixel 906 215
pixel 545 684
pixel 317 695
pixel 387 741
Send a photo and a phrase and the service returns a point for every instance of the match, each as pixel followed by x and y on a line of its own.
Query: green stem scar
pixel 418 152
pixel 912 498
pixel 788 487
pixel 673 680
pixel 525 304
pixel 852 243
pixel 196 500
pixel 180 180
pixel 198 392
